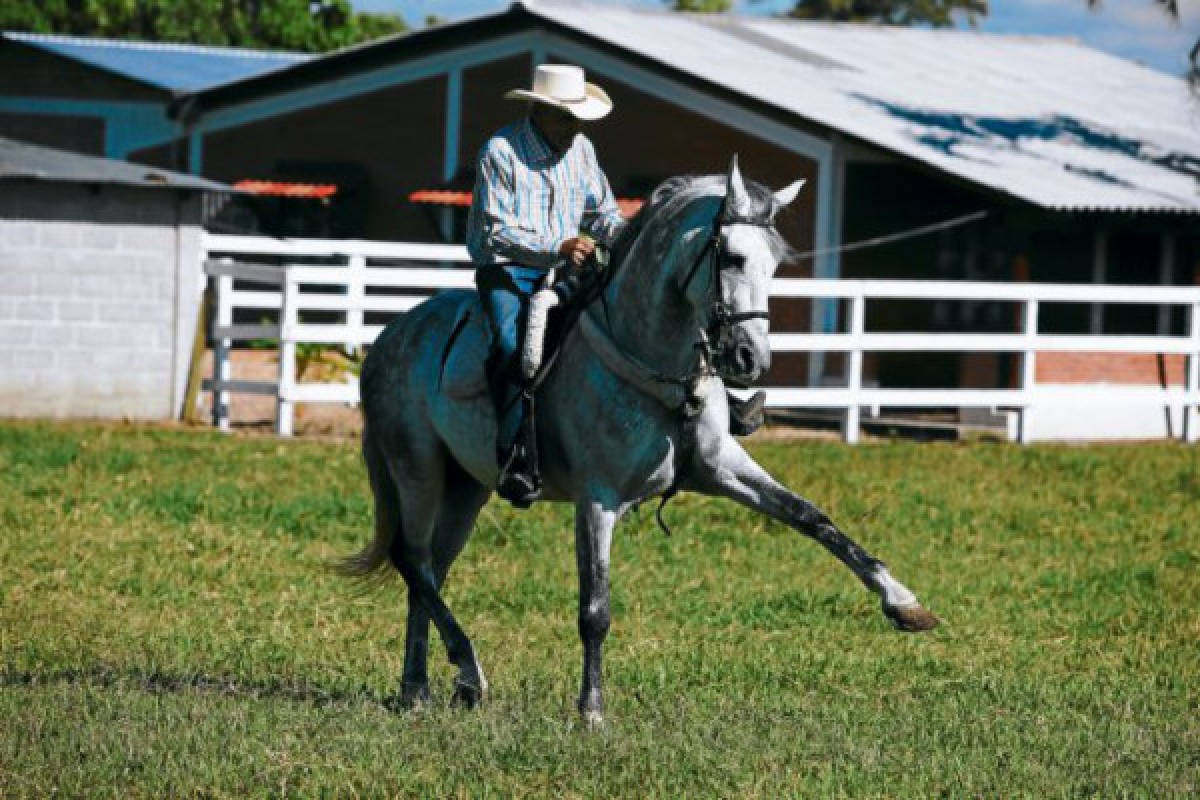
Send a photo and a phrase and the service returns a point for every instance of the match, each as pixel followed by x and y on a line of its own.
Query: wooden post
pixel 196 364
pixel 1191 425
pixel 221 347
pixel 1028 367
pixel 355 294
pixel 288 319
pixel 854 363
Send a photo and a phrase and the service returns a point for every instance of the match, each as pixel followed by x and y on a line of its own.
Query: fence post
pixel 222 371
pixel 1028 367
pixel 1191 425
pixel 854 361
pixel 288 319
pixel 355 296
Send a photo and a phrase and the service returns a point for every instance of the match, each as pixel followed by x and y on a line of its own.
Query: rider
pixel 541 202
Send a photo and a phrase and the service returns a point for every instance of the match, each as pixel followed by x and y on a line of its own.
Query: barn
pixel 1086 177
pixel 105 97
pixel 1023 158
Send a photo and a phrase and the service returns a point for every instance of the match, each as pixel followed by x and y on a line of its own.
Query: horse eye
pixel 734 261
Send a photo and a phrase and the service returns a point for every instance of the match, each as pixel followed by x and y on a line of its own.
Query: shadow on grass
pixel 154 682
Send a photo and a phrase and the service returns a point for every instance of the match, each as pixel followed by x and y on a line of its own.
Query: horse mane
pixel 670 200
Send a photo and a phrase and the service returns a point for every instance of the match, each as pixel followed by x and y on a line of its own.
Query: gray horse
pixel 635 407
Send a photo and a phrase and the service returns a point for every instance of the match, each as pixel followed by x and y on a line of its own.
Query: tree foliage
pixel 705 6
pixel 938 13
pixel 307 25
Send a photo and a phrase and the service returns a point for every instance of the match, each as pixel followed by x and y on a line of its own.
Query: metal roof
pixel 21 161
pixel 1044 119
pixel 175 67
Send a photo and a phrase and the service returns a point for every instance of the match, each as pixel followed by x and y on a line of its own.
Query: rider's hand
pixel 577 249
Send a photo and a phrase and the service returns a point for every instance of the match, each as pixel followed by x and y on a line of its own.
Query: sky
pixel 1134 29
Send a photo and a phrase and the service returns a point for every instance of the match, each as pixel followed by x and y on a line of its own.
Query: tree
pixel 307 25
pixel 704 6
pixel 938 13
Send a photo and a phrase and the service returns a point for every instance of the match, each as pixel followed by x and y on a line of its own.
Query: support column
pixel 1166 276
pixel 831 189
pixel 1099 275
pixel 195 153
pixel 452 143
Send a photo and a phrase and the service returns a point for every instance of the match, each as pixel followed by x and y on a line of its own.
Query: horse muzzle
pixel 743 358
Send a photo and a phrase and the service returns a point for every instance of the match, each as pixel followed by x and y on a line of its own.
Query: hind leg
pixel 413 553
pixel 462 498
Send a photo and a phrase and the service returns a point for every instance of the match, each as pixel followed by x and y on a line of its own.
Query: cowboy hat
pixel 562 86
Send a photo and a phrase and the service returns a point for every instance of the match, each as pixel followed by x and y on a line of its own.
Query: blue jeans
pixel 504 292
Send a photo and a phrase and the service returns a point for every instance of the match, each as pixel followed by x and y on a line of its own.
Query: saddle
pixel 464 368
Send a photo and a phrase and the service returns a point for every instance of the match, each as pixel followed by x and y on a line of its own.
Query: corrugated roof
pixel 21 161
pixel 1045 119
pixel 176 67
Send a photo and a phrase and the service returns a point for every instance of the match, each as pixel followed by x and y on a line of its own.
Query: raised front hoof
pixel 467 695
pixel 911 619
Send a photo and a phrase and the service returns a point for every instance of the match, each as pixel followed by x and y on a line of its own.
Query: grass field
pixel 167 627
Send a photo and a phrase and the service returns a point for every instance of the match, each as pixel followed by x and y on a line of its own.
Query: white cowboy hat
pixel 562 86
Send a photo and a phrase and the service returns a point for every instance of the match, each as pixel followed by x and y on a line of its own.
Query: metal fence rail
pixel 393 277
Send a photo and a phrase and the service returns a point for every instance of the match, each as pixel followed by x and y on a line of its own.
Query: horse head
pixel 727 281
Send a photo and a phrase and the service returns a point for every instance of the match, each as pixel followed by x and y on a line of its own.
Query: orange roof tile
pixel 285 189
pixel 445 197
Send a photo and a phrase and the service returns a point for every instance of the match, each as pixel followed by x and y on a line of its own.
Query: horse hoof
pixel 593 720
pixel 414 698
pixel 911 619
pixel 467 695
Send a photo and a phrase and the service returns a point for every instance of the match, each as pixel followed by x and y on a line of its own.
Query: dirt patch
pixel 255 414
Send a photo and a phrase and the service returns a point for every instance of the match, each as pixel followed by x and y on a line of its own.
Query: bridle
pixel 713 338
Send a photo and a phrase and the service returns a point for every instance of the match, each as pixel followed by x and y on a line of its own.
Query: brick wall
pixel 99 288
pixel 1132 368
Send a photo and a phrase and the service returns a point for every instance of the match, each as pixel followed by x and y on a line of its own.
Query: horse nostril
pixel 744 358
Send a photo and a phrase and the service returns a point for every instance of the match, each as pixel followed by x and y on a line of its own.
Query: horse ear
pixel 737 199
pixel 787 194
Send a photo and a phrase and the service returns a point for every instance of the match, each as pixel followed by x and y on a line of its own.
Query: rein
pixel 684 393
pixel 722 318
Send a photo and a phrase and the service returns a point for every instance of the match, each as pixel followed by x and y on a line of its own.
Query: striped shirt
pixel 528 199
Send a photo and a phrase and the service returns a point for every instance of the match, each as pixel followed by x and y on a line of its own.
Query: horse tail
pixel 376 554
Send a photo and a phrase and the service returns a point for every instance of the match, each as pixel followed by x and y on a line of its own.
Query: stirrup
pixel 516 484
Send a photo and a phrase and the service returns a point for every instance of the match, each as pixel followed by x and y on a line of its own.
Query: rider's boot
pixel 746 416
pixel 519 482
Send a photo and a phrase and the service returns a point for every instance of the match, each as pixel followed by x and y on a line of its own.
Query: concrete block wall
pixel 99 287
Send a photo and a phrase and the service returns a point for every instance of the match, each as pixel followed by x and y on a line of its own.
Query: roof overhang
pixel 909 131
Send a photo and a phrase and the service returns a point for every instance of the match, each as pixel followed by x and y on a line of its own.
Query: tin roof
pixel 175 67
pixel 21 161
pixel 1044 119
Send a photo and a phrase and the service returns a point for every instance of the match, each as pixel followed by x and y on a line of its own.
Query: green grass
pixel 167 627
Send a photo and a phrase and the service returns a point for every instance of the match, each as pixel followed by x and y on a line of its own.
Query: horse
pixel 635 407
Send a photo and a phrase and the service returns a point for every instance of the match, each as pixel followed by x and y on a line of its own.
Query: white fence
pixel 392 277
